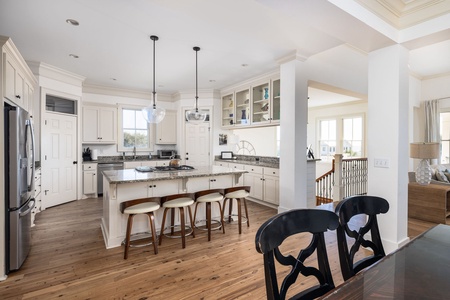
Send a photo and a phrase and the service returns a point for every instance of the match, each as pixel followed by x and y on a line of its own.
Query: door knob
pixel 75 162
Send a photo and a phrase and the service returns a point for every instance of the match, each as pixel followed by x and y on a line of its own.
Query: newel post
pixel 338 187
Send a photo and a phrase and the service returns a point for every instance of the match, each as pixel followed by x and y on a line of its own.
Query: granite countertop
pixel 131 175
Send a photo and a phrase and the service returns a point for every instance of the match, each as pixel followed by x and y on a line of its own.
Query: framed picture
pixel 226 155
pixel 223 139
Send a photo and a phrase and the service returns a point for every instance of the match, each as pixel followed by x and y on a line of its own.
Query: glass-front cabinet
pixel 257 105
pixel 243 108
pixel 261 104
pixel 275 109
pixel 228 110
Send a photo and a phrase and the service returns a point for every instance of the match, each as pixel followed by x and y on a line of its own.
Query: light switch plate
pixel 381 162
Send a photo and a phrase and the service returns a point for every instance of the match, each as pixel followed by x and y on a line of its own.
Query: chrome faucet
pixel 134 152
pixel 123 155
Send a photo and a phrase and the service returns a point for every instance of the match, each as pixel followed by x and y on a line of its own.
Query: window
pixel 134 130
pixel 327 140
pixel 343 135
pixel 352 143
pixel 445 137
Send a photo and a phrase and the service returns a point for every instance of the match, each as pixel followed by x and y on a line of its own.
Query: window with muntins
pixel 134 130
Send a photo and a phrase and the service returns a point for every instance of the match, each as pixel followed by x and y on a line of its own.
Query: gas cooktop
pixel 164 168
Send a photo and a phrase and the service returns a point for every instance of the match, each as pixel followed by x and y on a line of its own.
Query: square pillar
pixel 388 139
pixel 293 143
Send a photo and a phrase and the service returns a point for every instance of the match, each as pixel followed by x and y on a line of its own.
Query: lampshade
pixel 153 114
pixel 424 150
pixel 194 116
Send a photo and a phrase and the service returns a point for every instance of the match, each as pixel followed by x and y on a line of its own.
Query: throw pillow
pixel 447 174
pixel 441 176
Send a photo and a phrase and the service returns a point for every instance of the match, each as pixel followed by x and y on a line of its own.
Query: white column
pixel 294 118
pixel 388 139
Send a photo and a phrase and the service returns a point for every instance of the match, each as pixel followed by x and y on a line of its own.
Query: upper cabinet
pixel 18 78
pixel 258 105
pixel 99 125
pixel 166 130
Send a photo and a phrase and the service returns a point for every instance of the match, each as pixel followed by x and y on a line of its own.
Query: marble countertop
pixel 131 175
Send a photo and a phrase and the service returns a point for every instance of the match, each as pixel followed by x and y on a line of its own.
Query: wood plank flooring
pixel 68 260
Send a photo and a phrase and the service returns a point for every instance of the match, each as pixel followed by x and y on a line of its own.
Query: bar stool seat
pixel 172 202
pixel 208 197
pixel 238 193
pixel 140 206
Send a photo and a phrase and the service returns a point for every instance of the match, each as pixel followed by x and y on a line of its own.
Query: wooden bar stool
pixel 208 197
pixel 180 201
pixel 239 193
pixel 140 206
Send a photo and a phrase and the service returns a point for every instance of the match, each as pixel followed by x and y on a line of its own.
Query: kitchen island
pixel 129 184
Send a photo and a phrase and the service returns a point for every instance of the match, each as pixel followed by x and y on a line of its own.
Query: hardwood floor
pixel 68 260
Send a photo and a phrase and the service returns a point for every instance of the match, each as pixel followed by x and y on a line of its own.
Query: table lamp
pixel 424 151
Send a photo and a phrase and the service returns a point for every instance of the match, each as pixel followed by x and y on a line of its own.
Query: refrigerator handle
pixel 31 186
pixel 30 208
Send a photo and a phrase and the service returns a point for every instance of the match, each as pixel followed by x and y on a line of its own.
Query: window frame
pixel 340 133
pixel 120 133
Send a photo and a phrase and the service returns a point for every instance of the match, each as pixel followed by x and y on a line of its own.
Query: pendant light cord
pixel 196 78
pixel 154 39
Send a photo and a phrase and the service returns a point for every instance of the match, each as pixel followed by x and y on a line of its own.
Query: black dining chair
pixel 370 206
pixel 277 229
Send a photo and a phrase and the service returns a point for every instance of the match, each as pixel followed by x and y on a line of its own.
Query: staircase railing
pixel 347 177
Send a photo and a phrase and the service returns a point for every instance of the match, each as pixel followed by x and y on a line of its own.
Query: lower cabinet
pixel 146 163
pixel 263 181
pixel 37 195
pixel 205 183
pixel 161 188
pixel 90 179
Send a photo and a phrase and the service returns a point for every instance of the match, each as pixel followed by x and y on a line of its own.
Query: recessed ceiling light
pixel 244 65
pixel 160 85
pixel 73 55
pixel 72 22
pixel 113 79
pixel 212 80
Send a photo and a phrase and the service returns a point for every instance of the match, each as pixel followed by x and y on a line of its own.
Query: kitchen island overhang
pixel 129 184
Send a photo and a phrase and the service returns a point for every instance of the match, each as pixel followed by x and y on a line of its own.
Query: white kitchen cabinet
pixel 37 195
pixel 18 78
pixel 271 183
pixel 146 163
pixel 206 183
pixel 221 163
pixel 166 130
pixel 161 188
pixel 90 178
pixel 161 163
pixel 254 179
pixel 99 125
pixel 131 164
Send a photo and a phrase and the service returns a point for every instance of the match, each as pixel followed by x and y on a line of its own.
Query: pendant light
pixel 193 116
pixel 153 114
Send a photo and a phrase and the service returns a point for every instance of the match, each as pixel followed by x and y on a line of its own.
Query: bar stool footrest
pixel 234 219
pixel 217 223
pixel 138 237
pixel 188 230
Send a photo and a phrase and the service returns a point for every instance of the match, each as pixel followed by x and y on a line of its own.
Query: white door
pixel 197 144
pixel 59 158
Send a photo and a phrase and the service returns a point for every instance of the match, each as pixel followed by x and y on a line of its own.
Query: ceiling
pixel 238 39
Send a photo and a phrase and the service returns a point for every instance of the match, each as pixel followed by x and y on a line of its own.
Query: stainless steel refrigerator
pixel 19 185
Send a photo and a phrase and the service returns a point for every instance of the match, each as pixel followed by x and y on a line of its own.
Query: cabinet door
pixel 10 79
pixel 166 130
pixel 163 188
pixel 271 189
pixel 90 124
pixel 228 110
pixel 243 108
pixel 221 164
pixel 107 125
pixel 89 182
pixel 148 163
pixel 221 182
pixel 19 90
pixel 275 107
pixel 254 179
pixel 261 104
pixel 131 164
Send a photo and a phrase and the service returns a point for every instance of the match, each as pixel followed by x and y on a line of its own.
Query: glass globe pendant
pixel 194 116
pixel 153 114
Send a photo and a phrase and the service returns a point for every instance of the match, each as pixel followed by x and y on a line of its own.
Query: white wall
pixel 263 139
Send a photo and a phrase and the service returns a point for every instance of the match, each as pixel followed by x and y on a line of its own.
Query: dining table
pixel 418 270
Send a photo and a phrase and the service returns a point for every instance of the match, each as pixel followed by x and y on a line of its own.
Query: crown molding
pixel 46 70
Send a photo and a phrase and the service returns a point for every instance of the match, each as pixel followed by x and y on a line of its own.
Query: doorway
pixel 59 158
pixel 197 142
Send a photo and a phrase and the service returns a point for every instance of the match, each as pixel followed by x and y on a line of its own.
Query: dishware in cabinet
pixel 243 107
pixel 228 110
